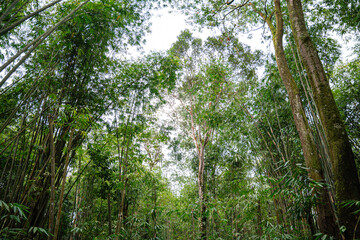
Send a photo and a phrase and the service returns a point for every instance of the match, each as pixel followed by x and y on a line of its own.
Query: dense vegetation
pixel 210 139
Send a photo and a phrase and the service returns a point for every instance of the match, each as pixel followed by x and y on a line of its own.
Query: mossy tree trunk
pixel 326 216
pixel 347 186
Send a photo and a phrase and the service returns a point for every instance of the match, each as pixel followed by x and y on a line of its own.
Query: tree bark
pixel 347 186
pixel 259 219
pixel 109 212
pixel 52 164
pixel 200 145
pixel 326 215
pixel 201 186
pixel 61 197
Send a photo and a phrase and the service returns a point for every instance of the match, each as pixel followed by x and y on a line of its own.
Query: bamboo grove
pixel 210 139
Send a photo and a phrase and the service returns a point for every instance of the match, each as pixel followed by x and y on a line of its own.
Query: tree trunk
pixel 326 215
pixel 201 186
pixel 52 164
pixel 61 197
pixel 154 212
pixel 347 186
pixel 122 171
pixel 109 212
pixel 200 144
pixel 193 225
pixel 259 219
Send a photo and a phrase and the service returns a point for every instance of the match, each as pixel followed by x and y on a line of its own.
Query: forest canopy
pixel 209 139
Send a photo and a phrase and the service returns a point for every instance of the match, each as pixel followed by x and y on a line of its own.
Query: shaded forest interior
pixel 211 139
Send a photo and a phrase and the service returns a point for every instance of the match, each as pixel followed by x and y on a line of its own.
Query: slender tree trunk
pixel 193 225
pixel 109 212
pixel 52 163
pixel 154 213
pixel 61 197
pixel 122 169
pixel 200 144
pixel 201 186
pixel 122 206
pixel 326 215
pixel 347 186
pixel 124 180
pixel 259 219
pixel 77 202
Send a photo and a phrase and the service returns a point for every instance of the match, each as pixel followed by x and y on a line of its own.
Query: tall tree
pixel 347 185
pixel 201 91
pixel 326 216
pixel 209 77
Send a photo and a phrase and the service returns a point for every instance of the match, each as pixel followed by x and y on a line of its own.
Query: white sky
pixel 167 26
pixel 165 29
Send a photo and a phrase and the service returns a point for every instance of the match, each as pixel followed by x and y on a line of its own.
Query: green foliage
pixel 343 13
pixel 347 96
pixel 16 214
pixel 124 159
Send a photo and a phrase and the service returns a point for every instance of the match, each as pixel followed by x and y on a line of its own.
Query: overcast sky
pixel 165 29
pixel 167 26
